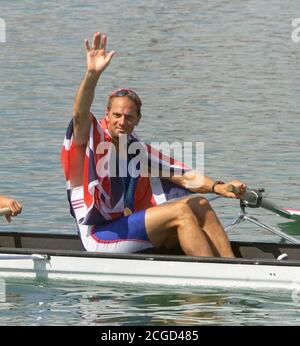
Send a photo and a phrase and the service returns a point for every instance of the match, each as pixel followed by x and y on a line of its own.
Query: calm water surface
pixel 225 73
pixel 102 305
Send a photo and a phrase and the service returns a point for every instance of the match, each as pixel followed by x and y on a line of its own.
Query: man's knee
pixel 198 201
pixel 204 203
pixel 184 210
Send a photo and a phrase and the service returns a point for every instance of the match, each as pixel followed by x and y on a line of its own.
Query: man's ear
pixel 138 120
pixel 106 113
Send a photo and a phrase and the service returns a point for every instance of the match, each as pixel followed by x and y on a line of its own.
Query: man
pixel 126 215
pixel 13 205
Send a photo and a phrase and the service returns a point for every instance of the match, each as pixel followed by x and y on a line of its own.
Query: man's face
pixel 122 117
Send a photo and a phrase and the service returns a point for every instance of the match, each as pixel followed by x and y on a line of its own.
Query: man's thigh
pixel 161 221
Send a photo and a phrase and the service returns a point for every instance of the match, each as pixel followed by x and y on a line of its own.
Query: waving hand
pixel 97 57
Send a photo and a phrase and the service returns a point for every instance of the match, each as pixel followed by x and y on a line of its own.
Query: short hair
pixel 126 92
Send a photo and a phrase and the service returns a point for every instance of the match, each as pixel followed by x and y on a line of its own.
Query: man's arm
pixel 196 182
pixel 97 61
pixel 81 109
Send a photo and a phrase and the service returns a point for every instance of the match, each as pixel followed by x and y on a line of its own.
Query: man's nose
pixel 122 120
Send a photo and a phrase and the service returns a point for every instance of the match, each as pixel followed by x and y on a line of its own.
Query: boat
pixel 257 265
pixel 60 256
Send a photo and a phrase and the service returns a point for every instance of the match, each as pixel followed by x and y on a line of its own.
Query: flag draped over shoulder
pixel 103 193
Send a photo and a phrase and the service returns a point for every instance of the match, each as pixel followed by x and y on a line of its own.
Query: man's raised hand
pixel 97 57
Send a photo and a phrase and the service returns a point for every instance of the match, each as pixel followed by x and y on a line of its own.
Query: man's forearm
pixel 206 187
pixel 198 183
pixel 82 106
pixel 85 95
pixel 194 182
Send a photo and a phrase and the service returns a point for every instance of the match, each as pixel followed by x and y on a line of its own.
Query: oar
pixel 254 199
pixel 4 211
pixel 281 212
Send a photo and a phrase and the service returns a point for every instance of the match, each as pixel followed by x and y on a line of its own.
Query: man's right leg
pixel 162 220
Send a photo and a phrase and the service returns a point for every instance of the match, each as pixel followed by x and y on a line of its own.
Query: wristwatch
pixel 217 182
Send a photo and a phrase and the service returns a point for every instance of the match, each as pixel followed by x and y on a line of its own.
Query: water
pixel 221 72
pixel 104 305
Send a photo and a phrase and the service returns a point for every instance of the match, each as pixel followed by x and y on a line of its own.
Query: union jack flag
pixel 103 195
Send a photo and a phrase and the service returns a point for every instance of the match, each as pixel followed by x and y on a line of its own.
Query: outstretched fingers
pixel 110 55
pixel 103 42
pixel 99 42
pixel 86 44
pixel 97 57
pixel 96 40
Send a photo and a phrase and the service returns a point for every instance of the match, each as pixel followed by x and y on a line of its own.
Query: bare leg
pixel 211 225
pixel 163 220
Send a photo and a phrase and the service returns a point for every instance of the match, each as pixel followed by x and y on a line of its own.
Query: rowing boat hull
pixel 151 270
pixel 39 257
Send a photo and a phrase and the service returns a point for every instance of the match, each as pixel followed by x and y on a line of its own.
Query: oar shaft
pixel 272 207
pixel 253 198
pixel 281 212
pixel 4 211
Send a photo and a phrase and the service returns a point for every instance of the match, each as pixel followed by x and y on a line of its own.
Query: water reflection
pixel 59 303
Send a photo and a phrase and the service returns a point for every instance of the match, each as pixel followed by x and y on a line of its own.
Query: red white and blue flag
pixel 103 194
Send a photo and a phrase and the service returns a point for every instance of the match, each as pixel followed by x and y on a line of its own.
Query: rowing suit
pixel 110 211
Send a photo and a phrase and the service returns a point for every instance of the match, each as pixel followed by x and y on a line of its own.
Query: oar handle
pixel 4 211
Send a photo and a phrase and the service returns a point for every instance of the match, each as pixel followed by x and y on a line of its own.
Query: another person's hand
pixel 233 189
pixel 97 57
pixel 14 206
